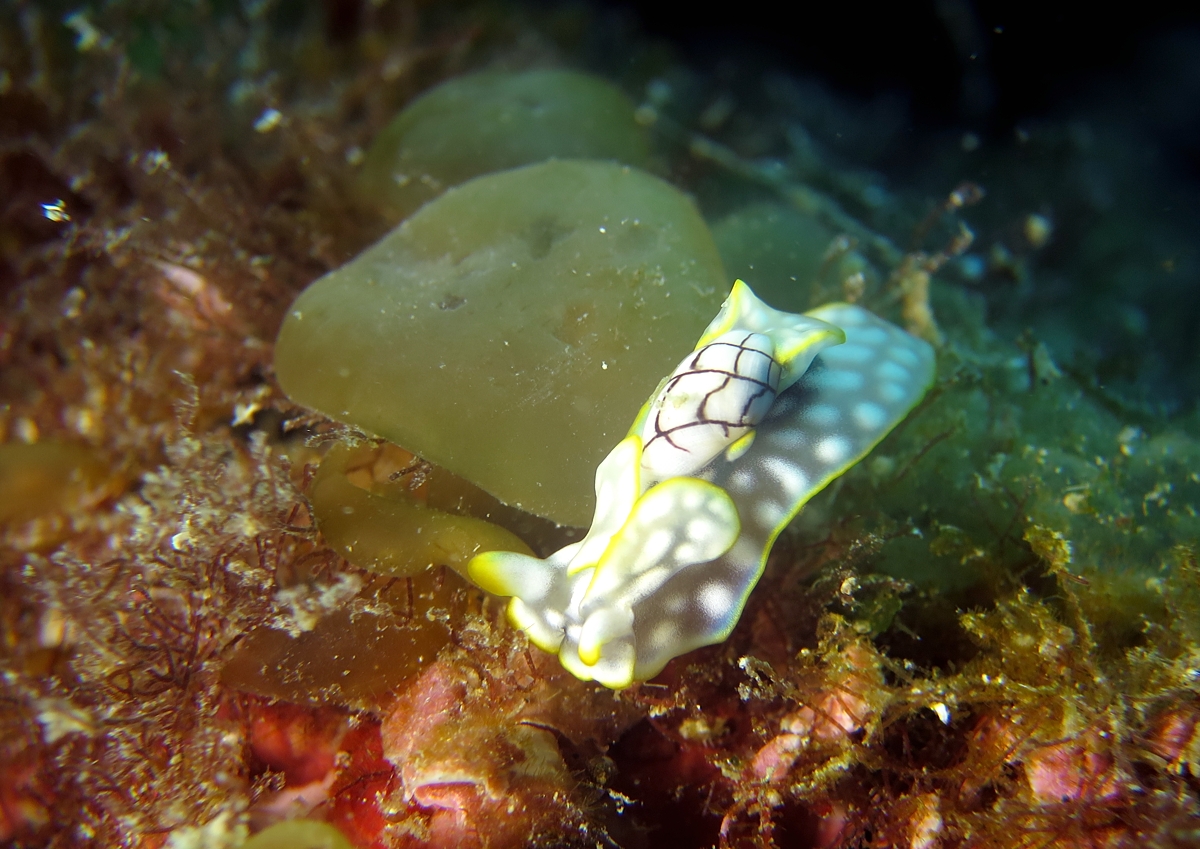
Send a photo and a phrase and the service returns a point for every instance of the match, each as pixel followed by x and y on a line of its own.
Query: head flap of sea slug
pixel 720 392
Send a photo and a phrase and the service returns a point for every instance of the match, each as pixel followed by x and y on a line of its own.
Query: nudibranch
pixel 763 414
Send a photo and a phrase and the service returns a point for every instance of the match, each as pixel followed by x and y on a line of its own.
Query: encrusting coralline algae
pixel 985 633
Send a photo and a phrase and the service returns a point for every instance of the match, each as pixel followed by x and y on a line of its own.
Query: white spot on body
pixel 843 316
pixel 821 415
pixel 744 554
pixel 652 510
pixel 892 393
pixel 789 440
pixel 664 634
pixel 767 513
pixel 848 352
pixel 644 585
pixel 871 336
pixel 673 605
pixel 699 529
pixel 715 599
pixel 889 370
pixel 656 546
pixel 869 416
pixel 839 380
pixel 905 356
pixel 693 500
pixel 833 449
pixel 790 478
pixel 742 480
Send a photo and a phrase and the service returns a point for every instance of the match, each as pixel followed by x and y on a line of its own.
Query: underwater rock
pixel 506 330
pixel 841 710
pixel 314 761
pixel 489 742
pixel 493 121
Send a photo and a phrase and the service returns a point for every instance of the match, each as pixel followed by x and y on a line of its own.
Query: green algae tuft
pixel 491 121
pixel 776 249
pixel 49 477
pixel 384 528
pixel 299 834
pixel 507 329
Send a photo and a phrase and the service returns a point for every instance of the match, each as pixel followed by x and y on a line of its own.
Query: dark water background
pixel 1119 291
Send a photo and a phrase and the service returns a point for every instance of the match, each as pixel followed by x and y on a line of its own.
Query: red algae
pixel 481 743
pixel 360 652
pixel 387 527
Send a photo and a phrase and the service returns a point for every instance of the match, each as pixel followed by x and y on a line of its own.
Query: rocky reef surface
pixel 231 617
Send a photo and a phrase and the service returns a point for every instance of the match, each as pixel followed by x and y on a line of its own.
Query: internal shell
pixel 712 399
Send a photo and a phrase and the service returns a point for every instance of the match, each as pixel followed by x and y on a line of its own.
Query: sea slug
pixel 768 409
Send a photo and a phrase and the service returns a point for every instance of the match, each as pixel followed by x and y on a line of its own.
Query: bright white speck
pixel 268 120
pixel 87 37
pixel 155 161
pixel 56 212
